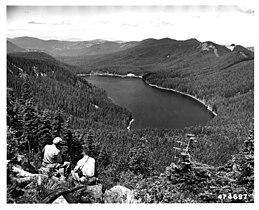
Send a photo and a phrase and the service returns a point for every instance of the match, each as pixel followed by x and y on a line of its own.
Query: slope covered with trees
pixel 221 78
pixel 226 84
pixel 54 86
pixel 45 99
pixel 183 180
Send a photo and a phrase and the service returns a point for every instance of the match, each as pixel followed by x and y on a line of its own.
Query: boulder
pixel 25 176
pixel 60 200
pixel 119 194
pixel 96 192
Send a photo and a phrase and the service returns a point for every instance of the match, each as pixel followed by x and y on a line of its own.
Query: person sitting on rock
pixel 85 170
pixel 52 157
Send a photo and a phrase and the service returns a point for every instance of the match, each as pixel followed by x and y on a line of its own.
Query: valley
pixel 49 89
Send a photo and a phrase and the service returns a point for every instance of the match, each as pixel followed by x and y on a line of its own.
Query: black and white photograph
pixel 129 103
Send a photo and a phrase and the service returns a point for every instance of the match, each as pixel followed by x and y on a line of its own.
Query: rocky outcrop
pixel 205 46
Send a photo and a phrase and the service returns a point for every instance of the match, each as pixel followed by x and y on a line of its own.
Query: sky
pixel 223 24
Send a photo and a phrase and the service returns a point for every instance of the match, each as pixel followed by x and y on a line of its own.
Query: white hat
pixel 57 140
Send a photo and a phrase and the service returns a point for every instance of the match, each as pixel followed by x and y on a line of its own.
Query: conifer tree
pixel 103 157
pixel 44 133
pixel 10 107
pixel 12 143
pixel 14 123
pixel 90 145
pixel 26 90
pixel 139 162
pixel 30 126
pixel 29 115
pixel 74 145
pixel 68 138
pixel 57 124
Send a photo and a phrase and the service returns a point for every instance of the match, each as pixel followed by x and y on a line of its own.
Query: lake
pixel 150 106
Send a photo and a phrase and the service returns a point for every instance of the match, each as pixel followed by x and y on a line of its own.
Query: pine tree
pixel 10 107
pixel 14 124
pixel 103 157
pixel 30 126
pixel 90 145
pixel 68 138
pixel 57 124
pixel 29 119
pixel 44 133
pixel 12 143
pixel 139 162
pixel 26 90
pixel 74 145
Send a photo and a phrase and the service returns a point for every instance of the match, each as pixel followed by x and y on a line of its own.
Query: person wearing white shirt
pixel 87 167
pixel 52 157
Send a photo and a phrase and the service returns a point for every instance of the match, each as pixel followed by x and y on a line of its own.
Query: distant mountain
pixel 149 55
pixel 71 48
pixel 11 48
pixel 250 48
pixel 244 51
pixel 232 46
pixel 153 55
pixel 97 41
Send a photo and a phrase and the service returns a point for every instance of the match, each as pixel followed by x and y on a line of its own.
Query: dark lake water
pixel 152 107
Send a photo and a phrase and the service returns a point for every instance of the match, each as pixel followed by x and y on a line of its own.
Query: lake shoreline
pixel 186 94
pixel 131 75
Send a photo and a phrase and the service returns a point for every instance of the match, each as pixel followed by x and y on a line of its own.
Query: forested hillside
pixel 221 78
pixel 46 99
pixel 55 87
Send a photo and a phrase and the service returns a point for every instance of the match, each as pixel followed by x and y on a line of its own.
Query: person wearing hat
pixel 52 157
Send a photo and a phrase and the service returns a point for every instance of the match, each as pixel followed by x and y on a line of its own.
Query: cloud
pixel 244 9
pixel 167 23
pixel 59 23
pixel 129 25
pixel 33 22
pixel 18 29
pixel 105 22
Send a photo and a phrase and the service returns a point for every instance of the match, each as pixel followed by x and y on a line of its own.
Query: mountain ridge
pixel 150 55
pixel 70 48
